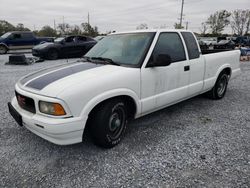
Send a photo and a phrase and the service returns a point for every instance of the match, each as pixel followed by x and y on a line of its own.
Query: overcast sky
pixel 118 15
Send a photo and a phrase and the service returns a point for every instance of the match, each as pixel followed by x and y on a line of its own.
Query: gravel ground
pixel 197 143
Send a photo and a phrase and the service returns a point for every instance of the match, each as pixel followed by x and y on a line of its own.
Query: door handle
pixel 187 68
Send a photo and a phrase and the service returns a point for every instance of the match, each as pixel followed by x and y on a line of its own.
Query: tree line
pixel 238 20
pixel 60 30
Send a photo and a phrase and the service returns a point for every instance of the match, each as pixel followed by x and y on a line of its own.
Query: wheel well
pixel 227 70
pixel 4 46
pixel 129 102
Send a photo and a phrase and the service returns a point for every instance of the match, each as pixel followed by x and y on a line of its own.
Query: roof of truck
pixel 152 30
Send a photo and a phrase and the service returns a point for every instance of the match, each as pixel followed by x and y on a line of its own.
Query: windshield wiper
pixel 107 60
pixel 85 59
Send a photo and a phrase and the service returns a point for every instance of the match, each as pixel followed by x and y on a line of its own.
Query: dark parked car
pixel 64 47
pixel 243 41
pixel 225 44
pixel 17 40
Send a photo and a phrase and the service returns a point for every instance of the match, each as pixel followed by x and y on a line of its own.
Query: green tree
pixel 5 27
pixel 89 30
pixel 20 27
pixel 47 31
pixel 218 21
pixel 178 26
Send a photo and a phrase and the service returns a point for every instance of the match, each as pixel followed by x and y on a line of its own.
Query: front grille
pixel 26 103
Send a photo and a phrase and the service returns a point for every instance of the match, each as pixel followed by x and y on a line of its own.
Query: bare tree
pixel 203 28
pixel 240 21
pixel 63 28
pixel 218 21
pixel 142 26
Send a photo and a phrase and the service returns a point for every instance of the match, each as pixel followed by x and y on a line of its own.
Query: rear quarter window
pixel 192 47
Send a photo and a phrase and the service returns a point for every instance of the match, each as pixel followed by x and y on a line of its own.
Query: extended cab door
pixel 162 86
pixel 197 64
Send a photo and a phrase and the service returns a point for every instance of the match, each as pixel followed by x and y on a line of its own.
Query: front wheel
pixel 220 87
pixel 108 123
pixel 3 49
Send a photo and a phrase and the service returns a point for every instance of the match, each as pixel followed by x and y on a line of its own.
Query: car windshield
pixel 124 49
pixel 6 35
pixel 60 39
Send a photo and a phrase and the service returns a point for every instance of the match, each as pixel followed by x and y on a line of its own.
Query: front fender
pixel 3 44
pixel 110 94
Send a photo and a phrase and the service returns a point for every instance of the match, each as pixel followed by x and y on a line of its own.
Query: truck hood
pixel 51 82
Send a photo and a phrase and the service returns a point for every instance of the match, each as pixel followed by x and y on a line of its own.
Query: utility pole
pixel 186 25
pixel 182 4
pixel 63 26
pixel 54 24
pixel 88 24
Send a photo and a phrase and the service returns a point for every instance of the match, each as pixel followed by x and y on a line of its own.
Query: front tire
pixel 108 123
pixel 3 49
pixel 220 87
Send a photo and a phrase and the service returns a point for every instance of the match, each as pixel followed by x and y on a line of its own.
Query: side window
pixel 169 44
pixel 16 36
pixel 81 39
pixel 69 39
pixel 27 35
pixel 192 47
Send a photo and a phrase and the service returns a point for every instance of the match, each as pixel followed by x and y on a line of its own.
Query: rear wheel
pixel 108 123
pixel 220 87
pixel 52 54
pixel 3 49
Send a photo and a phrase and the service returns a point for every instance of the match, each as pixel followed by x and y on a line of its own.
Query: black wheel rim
pixel 222 84
pixel 117 122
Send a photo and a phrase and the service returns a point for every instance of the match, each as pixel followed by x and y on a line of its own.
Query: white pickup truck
pixel 126 75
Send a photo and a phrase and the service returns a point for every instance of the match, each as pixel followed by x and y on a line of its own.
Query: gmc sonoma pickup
pixel 125 76
pixel 17 40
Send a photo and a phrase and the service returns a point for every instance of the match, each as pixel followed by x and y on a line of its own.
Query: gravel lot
pixel 197 143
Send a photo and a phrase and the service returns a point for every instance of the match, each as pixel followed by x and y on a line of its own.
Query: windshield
pixel 60 39
pixel 126 49
pixel 6 35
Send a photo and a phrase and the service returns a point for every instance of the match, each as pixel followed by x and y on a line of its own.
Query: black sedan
pixel 225 44
pixel 64 47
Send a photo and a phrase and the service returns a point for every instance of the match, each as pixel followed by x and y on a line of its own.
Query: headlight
pixel 50 108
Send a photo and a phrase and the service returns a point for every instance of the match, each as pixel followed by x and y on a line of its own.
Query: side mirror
pixel 162 60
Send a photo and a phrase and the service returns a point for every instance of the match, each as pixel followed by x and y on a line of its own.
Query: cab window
pixel 169 44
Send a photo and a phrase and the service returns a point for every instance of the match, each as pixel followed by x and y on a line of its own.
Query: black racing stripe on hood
pixel 47 79
pixel 43 71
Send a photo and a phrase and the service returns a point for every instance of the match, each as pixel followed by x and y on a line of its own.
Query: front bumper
pixel 39 53
pixel 58 131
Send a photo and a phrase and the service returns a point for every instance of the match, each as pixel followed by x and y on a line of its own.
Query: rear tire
pixel 220 87
pixel 52 54
pixel 3 49
pixel 108 123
